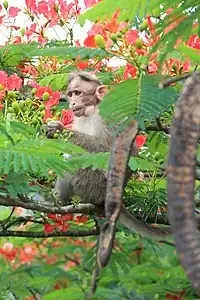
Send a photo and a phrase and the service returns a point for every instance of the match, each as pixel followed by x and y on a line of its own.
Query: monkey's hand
pixel 52 127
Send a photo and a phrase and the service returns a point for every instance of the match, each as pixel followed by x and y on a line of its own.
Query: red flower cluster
pixel 53 10
pixel 25 255
pixel 14 82
pixel 9 252
pixel 105 29
pixel 59 221
pixel 54 98
pixel 178 296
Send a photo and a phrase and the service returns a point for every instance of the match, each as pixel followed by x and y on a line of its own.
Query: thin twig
pixel 174 79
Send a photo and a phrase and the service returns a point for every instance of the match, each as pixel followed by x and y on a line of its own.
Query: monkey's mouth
pixel 79 112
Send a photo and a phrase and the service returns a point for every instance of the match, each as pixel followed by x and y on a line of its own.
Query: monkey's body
pixel 90 132
pixel 88 184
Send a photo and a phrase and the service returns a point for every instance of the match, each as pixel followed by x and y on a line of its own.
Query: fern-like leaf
pixel 137 99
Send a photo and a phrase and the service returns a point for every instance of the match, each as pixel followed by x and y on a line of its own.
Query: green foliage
pixel 190 53
pixel 55 81
pixel 106 8
pixel 185 14
pixel 12 55
pixel 137 99
pixel 32 154
pixel 155 274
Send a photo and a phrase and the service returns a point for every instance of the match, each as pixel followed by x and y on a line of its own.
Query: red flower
pixel 13 12
pixel 42 7
pixel 176 297
pixel 68 217
pixel 31 4
pixel 89 3
pixel 194 42
pixel 52 216
pixel 8 251
pixel 54 100
pixel 81 219
pixel 140 140
pixel 3 77
pixel 14 82
pixel 48 228
pixel 129 71
pixel 152 68
pixel 131 36
pixel 67 117
pixel 82 64
pixel 48 114
pixel 90 42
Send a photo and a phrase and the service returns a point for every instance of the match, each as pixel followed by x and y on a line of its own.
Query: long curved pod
pixel 185 132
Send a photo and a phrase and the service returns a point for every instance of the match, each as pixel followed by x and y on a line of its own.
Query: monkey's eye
pixel 77 93
pixel 69 94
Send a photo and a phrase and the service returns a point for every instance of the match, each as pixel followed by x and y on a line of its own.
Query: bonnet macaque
pixel 84 93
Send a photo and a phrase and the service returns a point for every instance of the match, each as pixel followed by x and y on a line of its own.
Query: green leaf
pixel 192 54
pixel 137 99
pixel 136 163
pixel 56 81
pixel 12 55
pixel 70 52
pixel 106 8
pixel 72 293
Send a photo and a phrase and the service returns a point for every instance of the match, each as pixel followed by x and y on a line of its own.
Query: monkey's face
pixel 83 96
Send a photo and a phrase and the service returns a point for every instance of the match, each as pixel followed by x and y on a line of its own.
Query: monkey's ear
pixel 101 91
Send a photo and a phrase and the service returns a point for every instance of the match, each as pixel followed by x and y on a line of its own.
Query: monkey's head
pixel 84 92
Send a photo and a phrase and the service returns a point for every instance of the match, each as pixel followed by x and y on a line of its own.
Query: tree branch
pixel 165 129
pixel 80 208
pixel 71 233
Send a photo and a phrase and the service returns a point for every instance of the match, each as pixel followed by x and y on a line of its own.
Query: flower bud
pixel 15 106
pixel 5 4
pixel 56 7
pixel 113 37
pixel 42 107
pixel 10 110
pixel 100 41
pixel 48 120
pixel 58 114
pixel 54 108
pixel 143 25
pixel 56 135
pixel 21 104
pixel 34 91
pixel 138 43
pixel 34 121
pixel 11 94
pixel 45 96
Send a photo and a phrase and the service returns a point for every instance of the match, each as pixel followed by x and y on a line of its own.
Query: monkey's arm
pixel 90 143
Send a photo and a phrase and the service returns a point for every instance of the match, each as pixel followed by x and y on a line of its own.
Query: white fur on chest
pixel 90 124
